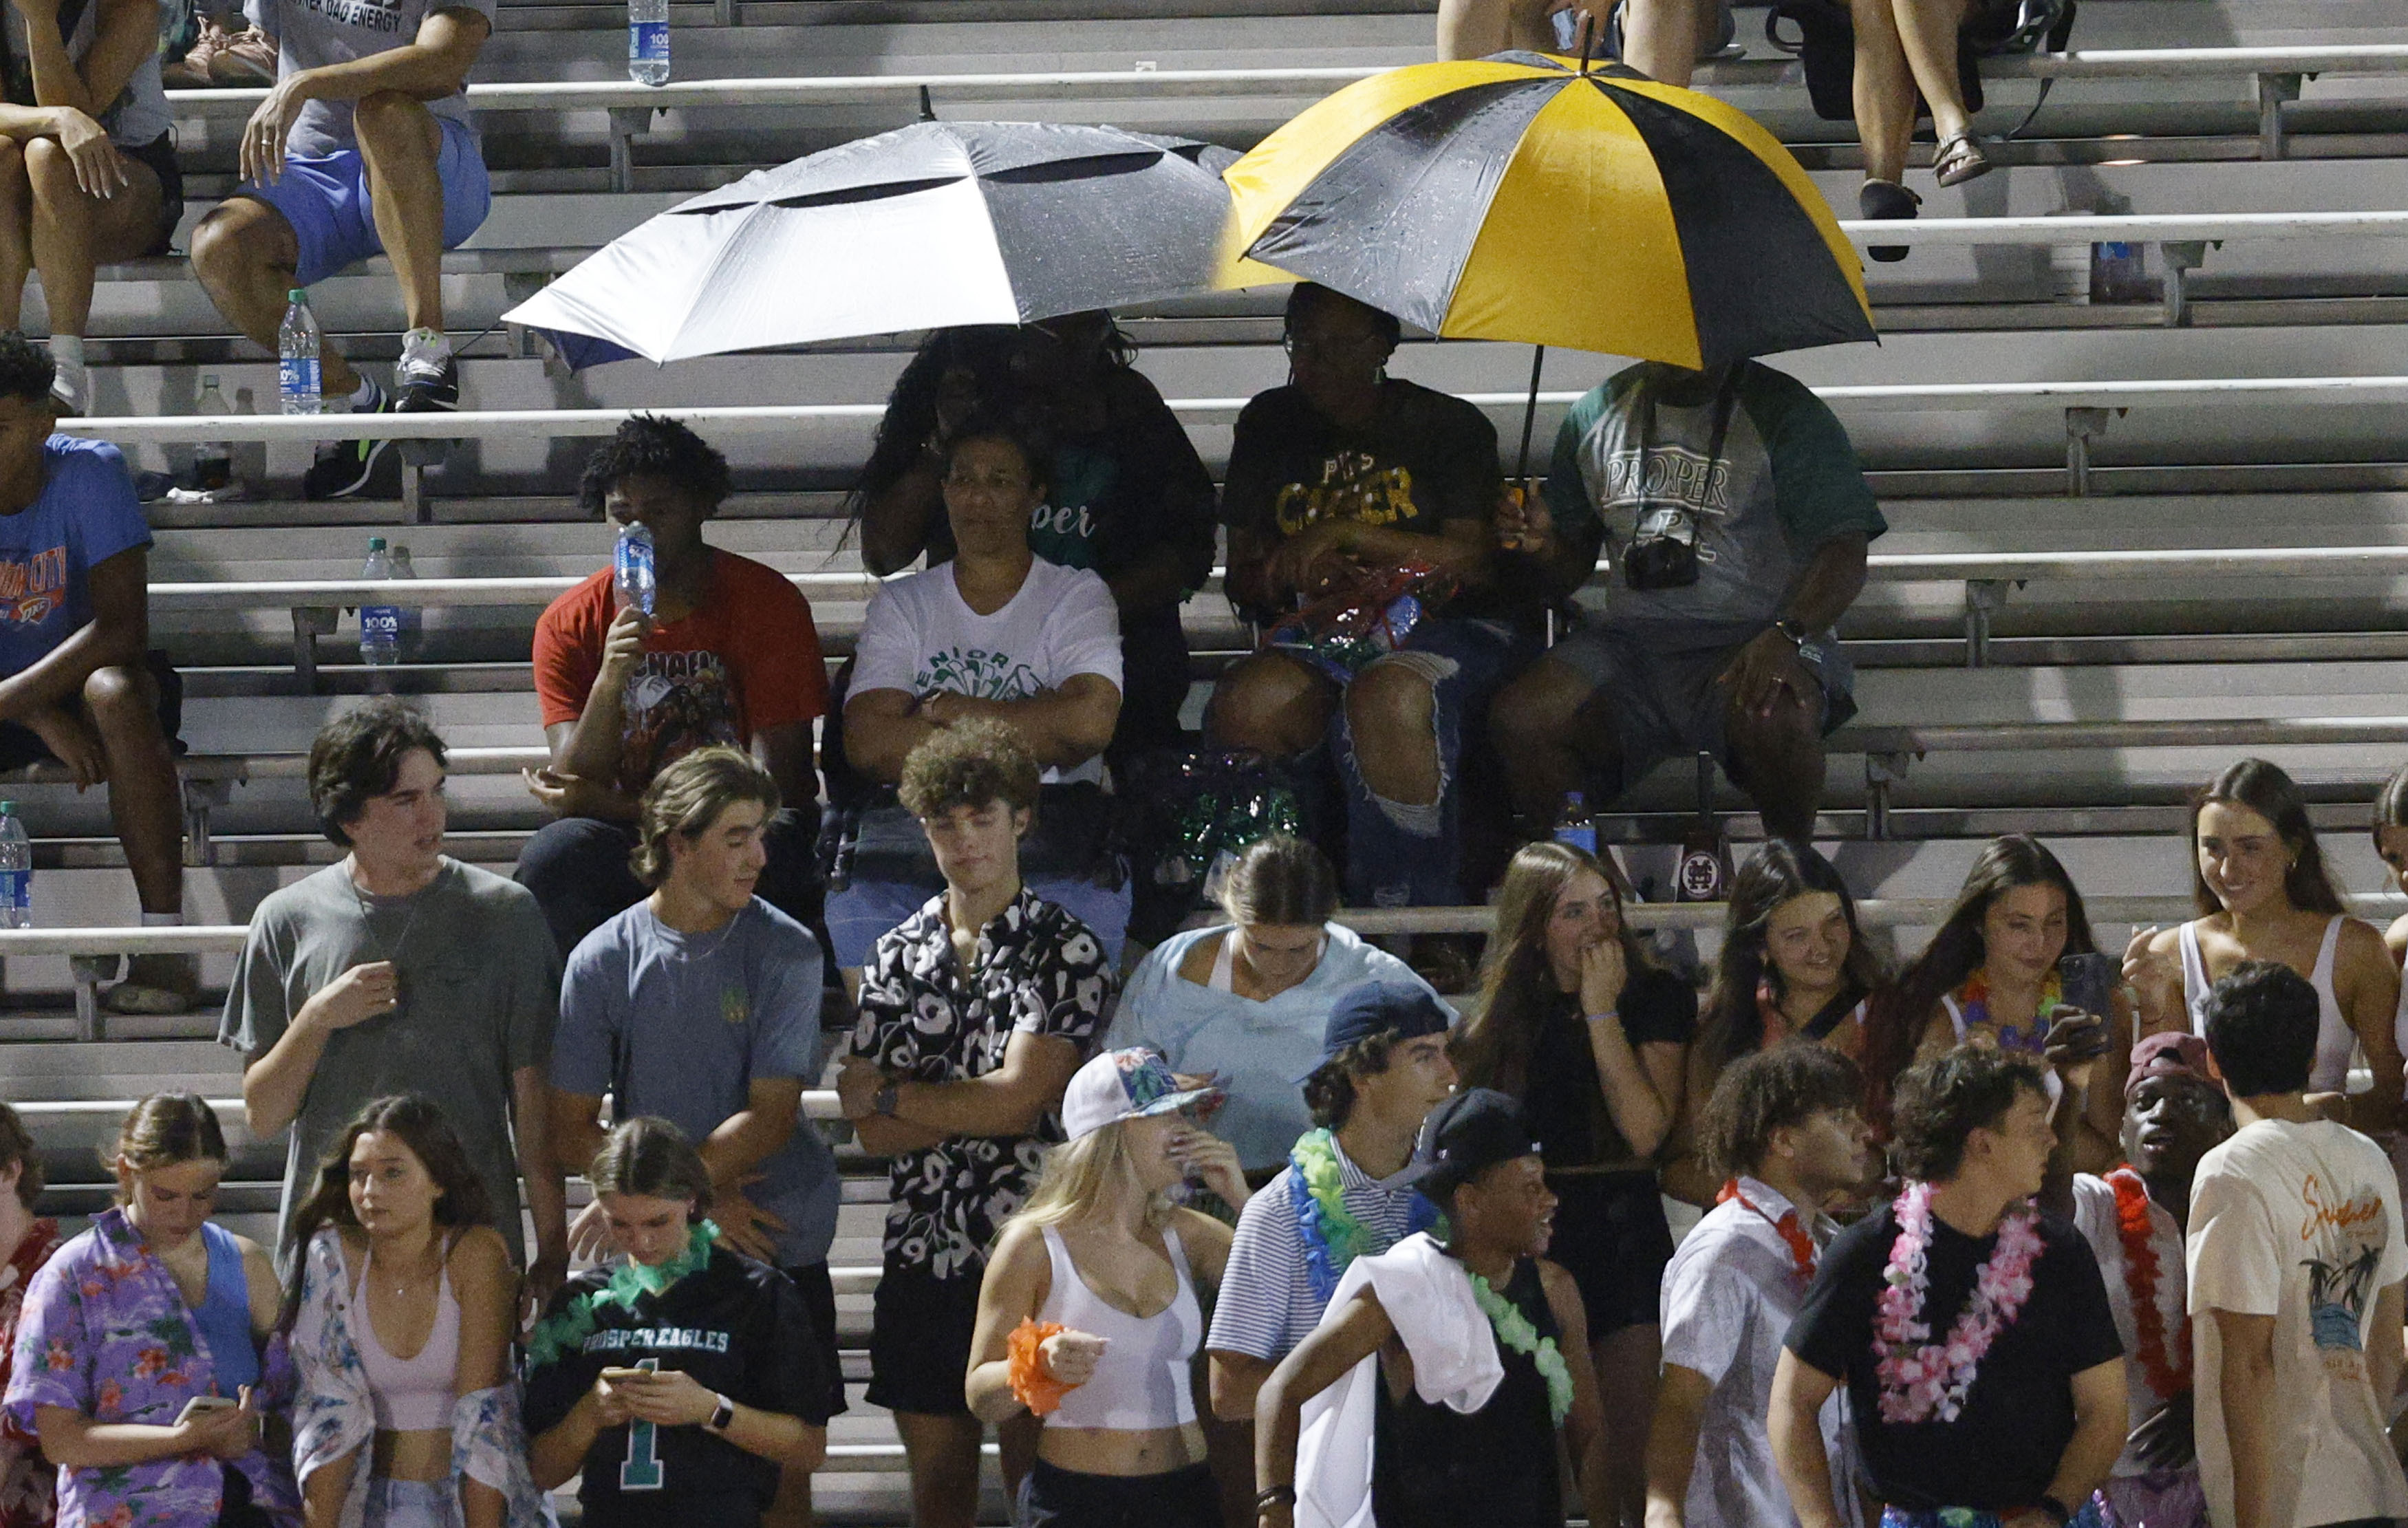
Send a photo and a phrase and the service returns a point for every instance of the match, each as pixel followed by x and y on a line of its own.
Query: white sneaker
pixel 71 388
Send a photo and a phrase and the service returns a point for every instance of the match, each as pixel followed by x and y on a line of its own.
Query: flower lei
pixel 1776 1024
pixel 1973 1004
pixel 1334 1236
pixel 1802 1246
pixel 2167 1364
pixel 1514 1331
pixel 566 1331
pixel 1920 1378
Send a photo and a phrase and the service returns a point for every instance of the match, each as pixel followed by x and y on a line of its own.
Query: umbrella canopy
pixel 1523 198
pixel 935 224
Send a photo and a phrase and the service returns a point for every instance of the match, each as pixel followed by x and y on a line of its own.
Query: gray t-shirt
pixel 312 33
pixel 679 1026
pixel 479 989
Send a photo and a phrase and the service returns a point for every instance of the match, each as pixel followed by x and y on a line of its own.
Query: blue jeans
pixel 1400 855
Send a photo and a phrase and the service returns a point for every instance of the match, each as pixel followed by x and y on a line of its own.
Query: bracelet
pixel 2054 1508
pixel 1275 1496
pixel 1613 1014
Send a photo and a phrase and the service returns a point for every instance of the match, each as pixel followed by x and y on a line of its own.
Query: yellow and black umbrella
pixel 1526 197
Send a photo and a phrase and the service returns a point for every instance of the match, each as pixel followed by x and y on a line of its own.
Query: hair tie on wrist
pixel 1033 1384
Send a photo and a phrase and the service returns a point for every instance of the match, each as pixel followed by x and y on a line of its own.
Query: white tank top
pixel 2336 1042
pixel 1141 1383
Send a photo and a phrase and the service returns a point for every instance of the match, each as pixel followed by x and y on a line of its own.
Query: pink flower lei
pixel 1920 1378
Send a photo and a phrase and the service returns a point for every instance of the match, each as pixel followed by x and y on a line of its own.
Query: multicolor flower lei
pixel 1973 1004
pixel 1514 1331
pixel 630 1282
pixel 1920 1378
pixel 2167 1364
pixel 1333 1236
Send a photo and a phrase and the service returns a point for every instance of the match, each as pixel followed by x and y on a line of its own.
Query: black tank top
pixel 1433 1466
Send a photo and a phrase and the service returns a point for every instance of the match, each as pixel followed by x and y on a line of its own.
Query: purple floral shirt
pixel 106 1332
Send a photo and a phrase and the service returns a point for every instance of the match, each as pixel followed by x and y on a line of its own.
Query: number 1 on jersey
pixel 641 1470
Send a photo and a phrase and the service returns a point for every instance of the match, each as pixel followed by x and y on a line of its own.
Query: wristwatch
pixel 2054 1508
pixel 882 1101
pixel 723 1417
pixel 1794 630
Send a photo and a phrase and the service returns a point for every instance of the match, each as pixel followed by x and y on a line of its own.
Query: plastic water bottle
pixel 212 460
pixel 298 348
pixel 1576 829
pixel 647 41
pixel 380 624
pixel 16 870
pixel 632 567
pixel 413 626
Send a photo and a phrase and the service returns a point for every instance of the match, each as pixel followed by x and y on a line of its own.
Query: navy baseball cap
pixel 1406 1009
pixel 1468 1134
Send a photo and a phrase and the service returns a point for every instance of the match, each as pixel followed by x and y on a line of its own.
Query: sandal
pixel 1959 158
pixel 1884 200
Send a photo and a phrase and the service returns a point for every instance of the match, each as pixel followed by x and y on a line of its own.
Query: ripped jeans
pixel 1401 854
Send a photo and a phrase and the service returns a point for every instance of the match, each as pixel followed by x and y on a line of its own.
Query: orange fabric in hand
pixel 1032 1382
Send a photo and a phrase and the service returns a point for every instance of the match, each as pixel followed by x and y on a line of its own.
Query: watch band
pixel 723 1417
pixel 883 1101
pixel 1794 630
pixel 2056 1508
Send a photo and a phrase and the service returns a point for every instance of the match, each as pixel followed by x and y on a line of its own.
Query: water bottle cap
pixel 376 543
pixel 8 809
pixel 208 381
pixel 296 295
pixel 1575 798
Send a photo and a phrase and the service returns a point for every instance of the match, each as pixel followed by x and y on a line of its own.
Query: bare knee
pixel 242 236
pixel 50 171
pixel 1536 710
pixel 1391 708
pixel 119 699
pixel 1268 704
pixel 389 121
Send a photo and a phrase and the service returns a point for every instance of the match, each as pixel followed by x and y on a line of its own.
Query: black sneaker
pixel 355 469
pixel 1885 200
pixel 425 387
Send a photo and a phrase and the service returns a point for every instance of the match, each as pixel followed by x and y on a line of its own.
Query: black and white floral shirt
pixel 1039 971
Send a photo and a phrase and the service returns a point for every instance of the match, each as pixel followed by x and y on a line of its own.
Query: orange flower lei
pixel 2167 1367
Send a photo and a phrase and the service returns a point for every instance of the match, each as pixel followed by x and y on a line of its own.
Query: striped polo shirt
pixel 1267 1304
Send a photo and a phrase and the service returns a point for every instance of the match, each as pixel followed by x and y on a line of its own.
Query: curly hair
pixel 1330 1092
pixel 26 369
pixel 1770 1091
pixel 687 798
pixel 648 446
pixel 970 764
pixel 1943 1101
pixel 358 755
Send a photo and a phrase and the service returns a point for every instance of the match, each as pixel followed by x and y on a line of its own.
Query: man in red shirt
pixel 728 655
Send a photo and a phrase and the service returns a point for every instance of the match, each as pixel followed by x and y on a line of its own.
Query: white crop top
pixel 1142 1382
pixel 2336 1042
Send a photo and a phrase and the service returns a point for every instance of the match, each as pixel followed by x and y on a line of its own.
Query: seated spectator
pixel 1057 1337
pixel 78 680
pixel 87 169
pixel 2296 1259
pixel 1578 1025
pixel 737 1393
pixel 1990 977
pixel 1348 471
pixel 974 1015
pixel 398 1251
pixel 1126 497
pixel 1973 1334
pixel 2390 831
pixel 1906 67
pixel 1662 39
pixel 222 53
pixel 28 1482
pixel 1246 1002
pixel 728 655
pixel 1733 503
pixel 996 633
pixel 1383 1067
pixel 2258 879
pixel 1783 1129
pixel 2133 1218
pixel 153 1276
pixel 363 148
pixel 1443 1439
pixel 399 969
pixel 1794 965
pixel 700 1005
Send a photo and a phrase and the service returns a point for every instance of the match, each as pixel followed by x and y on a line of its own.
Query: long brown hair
pixel 419 1121
pixel 1778 873
pixel 2263 787
pixel 1516 985
pixel 160 1131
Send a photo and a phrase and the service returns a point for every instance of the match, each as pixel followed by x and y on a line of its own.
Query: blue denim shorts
pixel 326 202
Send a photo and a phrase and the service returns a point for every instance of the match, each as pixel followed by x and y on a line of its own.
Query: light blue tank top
pixel 224 1314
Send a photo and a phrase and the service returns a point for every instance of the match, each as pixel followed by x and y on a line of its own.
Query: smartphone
pixel 2089 982
pixel 201 1406
pixel 623 1376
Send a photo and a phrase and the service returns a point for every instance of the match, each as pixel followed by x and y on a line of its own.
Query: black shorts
pixel 160 154
pixel 21 745
pixel 1610 1235
pixel 920 1332
pixel 819 1298
pixel 1052 1497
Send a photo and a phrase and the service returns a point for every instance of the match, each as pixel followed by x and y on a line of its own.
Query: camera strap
pixel 1725 401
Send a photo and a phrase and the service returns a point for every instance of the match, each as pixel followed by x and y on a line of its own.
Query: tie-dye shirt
pixel 106 1332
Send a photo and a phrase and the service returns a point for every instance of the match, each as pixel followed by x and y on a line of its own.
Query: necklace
pixel 1334 1235
pixel 1516 1331
pixel 566 1330
pixel 390 955
pixel 1921 1379
pixel 2167 1364
pixel 1974 1007
pixel 1802 1246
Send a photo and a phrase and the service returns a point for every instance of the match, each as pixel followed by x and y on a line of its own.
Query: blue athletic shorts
pixel 326 202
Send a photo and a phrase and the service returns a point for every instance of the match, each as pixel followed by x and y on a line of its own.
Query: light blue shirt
pixel 1256 1051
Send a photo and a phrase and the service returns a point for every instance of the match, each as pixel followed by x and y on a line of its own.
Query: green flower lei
pixel 1315 1160
pixel 630 1282
pixel 1514 1331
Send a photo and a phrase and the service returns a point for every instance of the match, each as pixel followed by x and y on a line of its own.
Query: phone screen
pixel 2089 982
